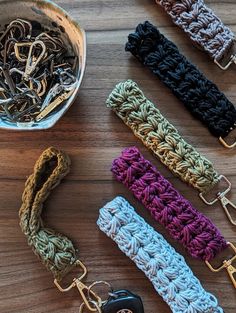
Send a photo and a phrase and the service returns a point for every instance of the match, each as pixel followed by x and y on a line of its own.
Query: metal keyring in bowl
pixel 49 15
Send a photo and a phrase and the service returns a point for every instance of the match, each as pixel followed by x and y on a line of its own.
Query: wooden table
pixel 93 136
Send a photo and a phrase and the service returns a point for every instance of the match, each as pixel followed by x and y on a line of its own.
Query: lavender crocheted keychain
pixel 192 229
pixel 204 28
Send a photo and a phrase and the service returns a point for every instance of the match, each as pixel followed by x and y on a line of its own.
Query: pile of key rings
pixel 37 71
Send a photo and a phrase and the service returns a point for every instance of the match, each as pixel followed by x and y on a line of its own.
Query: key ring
pixel 94 303
pixel 100 282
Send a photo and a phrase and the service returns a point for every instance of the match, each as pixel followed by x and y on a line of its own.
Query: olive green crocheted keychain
pixel 55 250
pixel 163 139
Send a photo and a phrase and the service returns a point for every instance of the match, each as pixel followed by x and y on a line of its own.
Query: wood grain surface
pixel 93 136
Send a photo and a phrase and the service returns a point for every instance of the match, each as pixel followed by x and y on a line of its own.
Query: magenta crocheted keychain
pixel 204 28
pixel 192 229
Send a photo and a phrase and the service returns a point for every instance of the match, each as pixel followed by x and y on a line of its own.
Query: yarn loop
pixel 56 251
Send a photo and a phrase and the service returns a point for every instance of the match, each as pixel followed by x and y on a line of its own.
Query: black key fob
pixel 123 301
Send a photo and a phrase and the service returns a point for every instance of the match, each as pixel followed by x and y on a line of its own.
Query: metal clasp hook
pixel 228 265
pixel 32 60
pixel 225 202
pixel 227 65
pixel 72 285
pixel 85 291
pixel 51 106
pixel 231 271
pixel 224 143
pixel 221 196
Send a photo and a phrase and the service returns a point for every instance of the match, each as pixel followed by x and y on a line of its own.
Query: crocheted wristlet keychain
pixel 163 139
pixel 56 251
pixel 199 95
pixel 164 267
pixel 204 28
pixel 192 229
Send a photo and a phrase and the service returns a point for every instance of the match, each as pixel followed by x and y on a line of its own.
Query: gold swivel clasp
pixel 228 265
pixel 90 299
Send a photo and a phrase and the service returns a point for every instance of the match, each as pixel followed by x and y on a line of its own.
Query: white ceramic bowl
pixel 47 13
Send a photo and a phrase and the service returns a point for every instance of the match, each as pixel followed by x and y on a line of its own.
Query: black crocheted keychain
pixel 199 95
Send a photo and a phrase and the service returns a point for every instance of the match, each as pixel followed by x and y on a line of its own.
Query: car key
pixel 123 301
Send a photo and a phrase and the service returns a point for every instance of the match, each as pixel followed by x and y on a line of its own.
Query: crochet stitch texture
pixel 163 266
pixel 192 229
pixel 199 95
pixel 201 24
pixel 161 137
pixel 56 251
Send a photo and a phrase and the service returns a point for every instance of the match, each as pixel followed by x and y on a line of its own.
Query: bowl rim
pixel 69 102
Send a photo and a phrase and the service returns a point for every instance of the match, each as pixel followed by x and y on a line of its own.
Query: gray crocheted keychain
pixel 204 28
